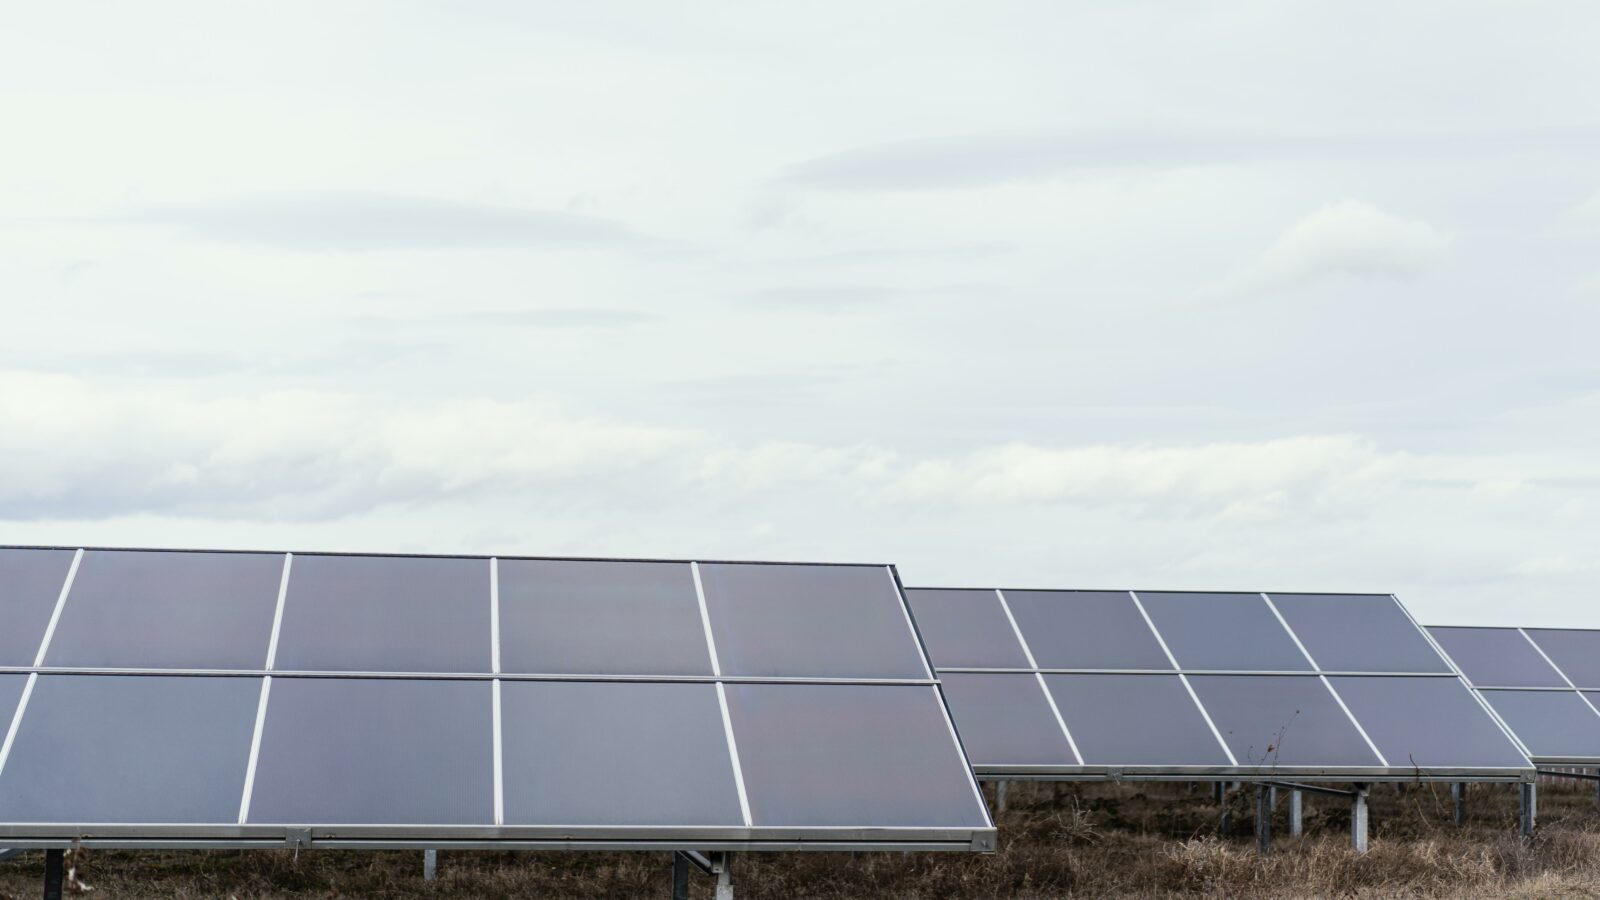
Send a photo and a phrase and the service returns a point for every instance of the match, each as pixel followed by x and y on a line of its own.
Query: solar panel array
pixel 1544 683
pixel 159 698
pixel 1074 684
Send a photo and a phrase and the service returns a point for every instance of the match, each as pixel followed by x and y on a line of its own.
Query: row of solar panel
pixel 1540 681
pixel 1392 702
pixel 1017 723
pixel 1123 630
pixel 221 611
pixel 167 749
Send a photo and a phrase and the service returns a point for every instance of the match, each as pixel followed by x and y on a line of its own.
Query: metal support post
pixel 1296 812
pixel 1263 819
pixel 53 866
pixel 680 876
pixel 1219 790
pixel 1597 787
pixel 1530 807
pixel 430 864
pixel 1000 795
pixel 1458 791
pixel 724 866
pixel 1225 822
pixel 1358 818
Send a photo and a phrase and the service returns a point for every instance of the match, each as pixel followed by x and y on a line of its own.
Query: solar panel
pixel 1426 723
pixel 810 621
pixel 1135 720
pixel 1497 657
pixel 1555 726
pixel 1053 623
pixel 967 628
pixel 30 582
pixel 600 618
pixel 156 749
pixel 1283 722
pixel 244 700
pixel 1188 685
pixel 378 751
pixel 1007 720
pixel 591 753
pixel 1223 632
pixel 1575 652
pixel 385 614
pixel 1531 678
pixel 168 611
pixel 803 750
pixel 1358 633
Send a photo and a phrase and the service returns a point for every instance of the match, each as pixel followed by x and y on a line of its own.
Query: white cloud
pixel 1348 238
pixel 1247 480
pixel 90 451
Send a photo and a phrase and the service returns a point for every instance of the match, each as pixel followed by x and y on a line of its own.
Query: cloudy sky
pixel 1298 296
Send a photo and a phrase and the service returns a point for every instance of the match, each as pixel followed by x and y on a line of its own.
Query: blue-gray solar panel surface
pixel 1553 725
pixel 1086 630
pixel 967 628
pixel 1527 676
pixel 1258 686
pixel 1576 652
pixel 811 621
pixel 153 749
pixel 1006 720
pixel 1358 633
pixel 1135 720
pixel 387 699
pixel 1223 632
pixel 804 749
pixel 30 583
pixel 147 610
pixel 600 618
pixel 1497 657
pixel 386 614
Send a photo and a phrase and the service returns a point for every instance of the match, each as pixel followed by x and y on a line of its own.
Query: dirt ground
pixel 1103 841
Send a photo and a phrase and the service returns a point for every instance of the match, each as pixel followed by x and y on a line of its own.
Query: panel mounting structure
pixel 1543 683
pixel 221 699
pixel 1166 685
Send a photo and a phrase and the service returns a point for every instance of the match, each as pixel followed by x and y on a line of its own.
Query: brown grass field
pixel 1111 841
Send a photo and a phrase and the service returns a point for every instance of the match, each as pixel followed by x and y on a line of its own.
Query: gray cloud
pixel 352 221
pixel 572 317
pixel 978 160
pixel 964 251
pixel 859 297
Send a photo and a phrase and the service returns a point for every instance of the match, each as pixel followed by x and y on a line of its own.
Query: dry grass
pixel 1092 841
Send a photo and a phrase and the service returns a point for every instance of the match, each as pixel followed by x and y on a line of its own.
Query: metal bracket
pixel 1582 776
pixel 297 838
pixel 1115 774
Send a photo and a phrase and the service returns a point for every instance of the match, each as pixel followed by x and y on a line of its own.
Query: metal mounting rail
pixel 1307 788
pixel 1585 776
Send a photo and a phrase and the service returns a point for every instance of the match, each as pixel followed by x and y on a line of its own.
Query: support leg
pixel 725 876
pixel 1296 813
pixel 1459 792
pixel 1358 818
pixel 1225 822
pixel 1263 819
pixel 1597 788
pixel 1530 807
pixel 1219 791
pixel 53 867
pixel 430 864
pixel 1000 795
pixel 680 877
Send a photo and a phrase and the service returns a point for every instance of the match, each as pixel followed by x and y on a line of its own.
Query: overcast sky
pixel 1296 296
